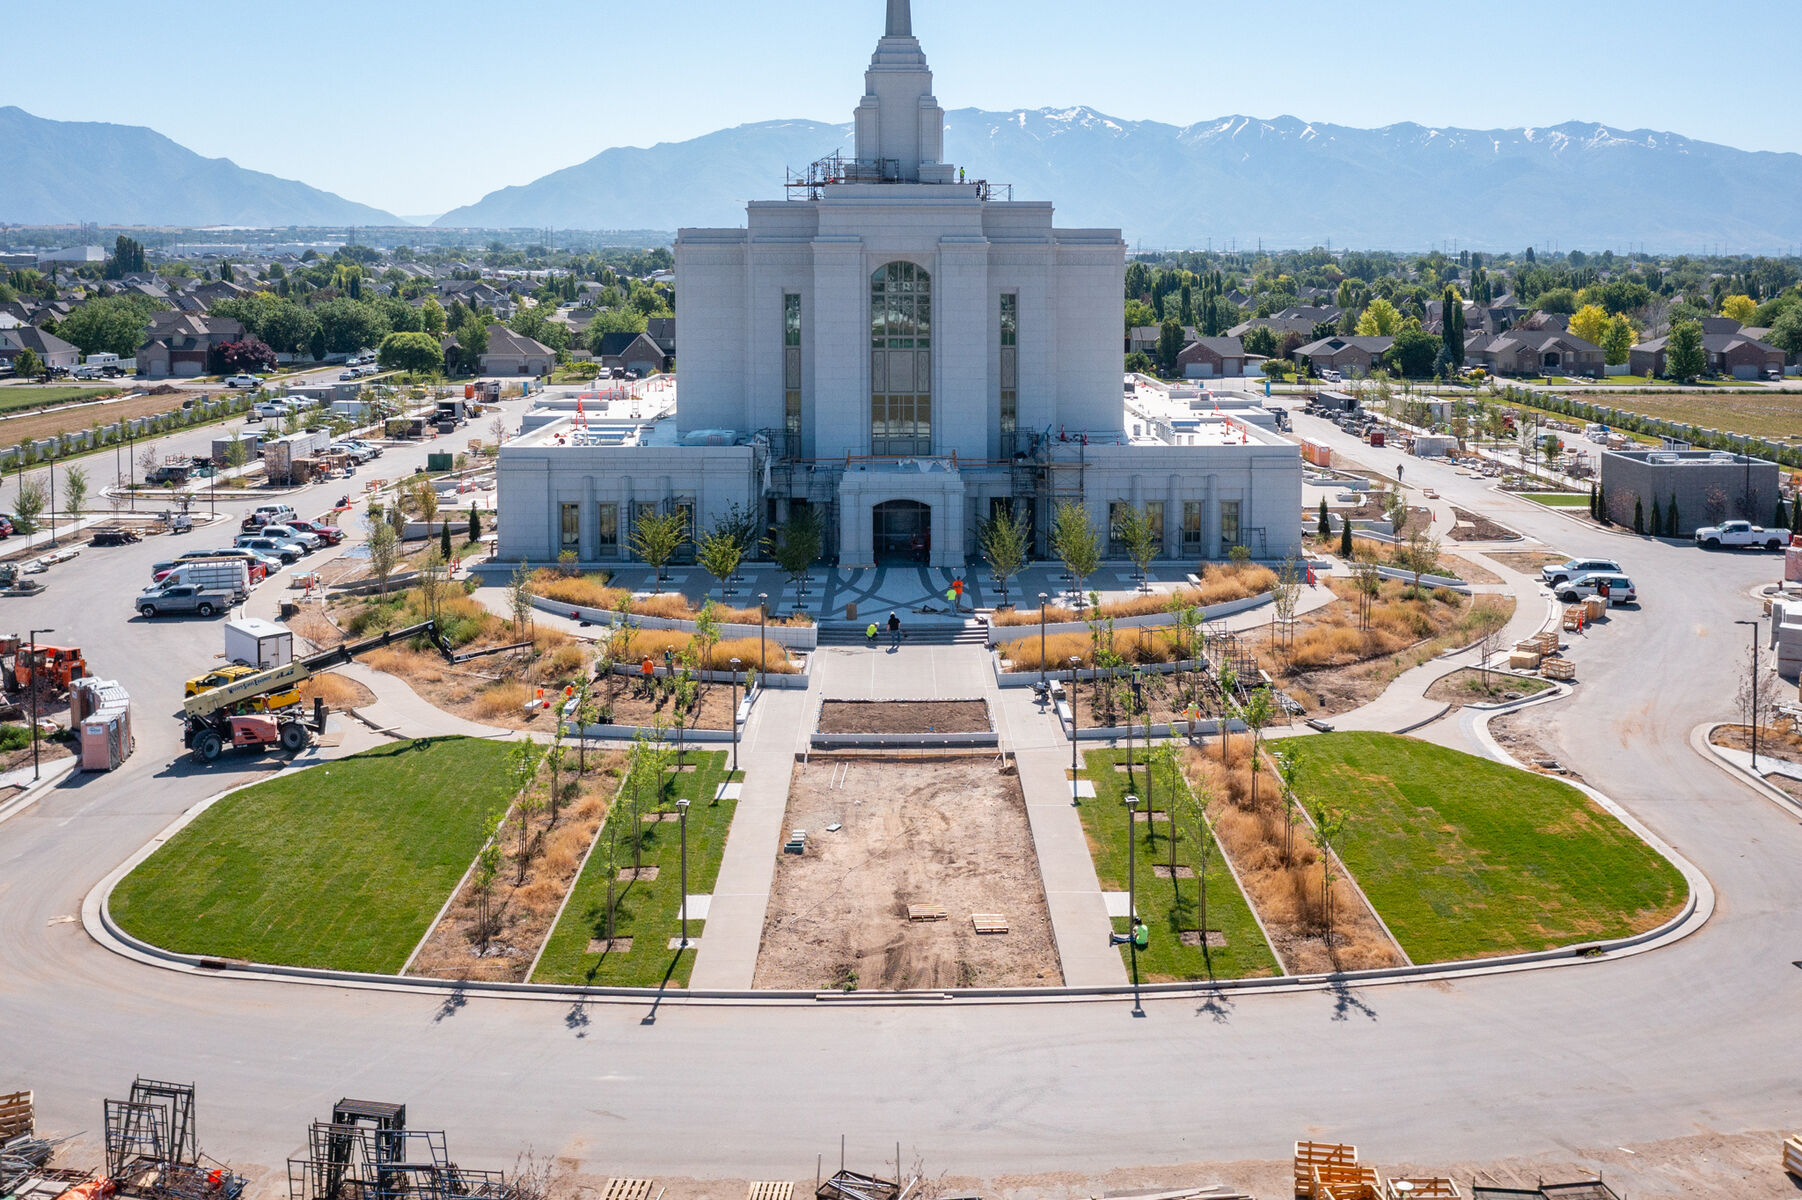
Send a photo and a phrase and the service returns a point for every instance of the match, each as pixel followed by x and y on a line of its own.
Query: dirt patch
pixel 1528 562
pixel 49 751
pixel 1530 735
pixel 1779 739
pixel 31 427
pixel 1475 527
pixel 1471 686
pixel 950 832
pixel 904 716
pixel 498 939
pixel 626 700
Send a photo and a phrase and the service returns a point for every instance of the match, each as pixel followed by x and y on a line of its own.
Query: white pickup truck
pixel 1740 533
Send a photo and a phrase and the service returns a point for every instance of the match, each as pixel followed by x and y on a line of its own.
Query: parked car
pixel 287 552
pixel 6 525
pixel 1620 588
pixel 183 598
pixel 263 514
pixel 1740 533
pixel 244 381
pixel 331 535
pixel 287 533
pixel 235 672
pixel 1557 573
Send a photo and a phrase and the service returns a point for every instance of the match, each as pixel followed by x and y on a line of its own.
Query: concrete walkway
pixel 727 959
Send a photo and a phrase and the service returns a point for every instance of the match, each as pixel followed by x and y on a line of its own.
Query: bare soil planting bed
pixel 1475 527
pixel 904 716
pixel 1473 686
pixel 1778 739
pixel 1528 562
pixel 945 831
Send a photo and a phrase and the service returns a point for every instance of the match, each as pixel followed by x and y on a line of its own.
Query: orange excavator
pixel 50 667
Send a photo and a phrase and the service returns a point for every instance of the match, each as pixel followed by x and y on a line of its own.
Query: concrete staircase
pixel 938 633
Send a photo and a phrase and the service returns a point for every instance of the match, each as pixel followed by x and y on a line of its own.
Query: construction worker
pixel 894 628
pixel 870 635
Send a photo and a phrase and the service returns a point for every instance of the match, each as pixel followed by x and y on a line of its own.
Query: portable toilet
pixel 102 711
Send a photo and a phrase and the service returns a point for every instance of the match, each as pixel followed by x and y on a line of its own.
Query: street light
pixel 763 616
pixel 1132 907
pixel 34 699
pixel 1754 625
pixel 1042 598
pixel 682 818
pixel 733 715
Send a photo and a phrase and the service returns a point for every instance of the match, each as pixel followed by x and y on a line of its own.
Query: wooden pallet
pixel 770 1191
pixel 1311 1155
pixel 628 1189
pixel 926 912
pixel 1792 1156
pixel 15 1115
pixel 1423 1189
pixel 989 922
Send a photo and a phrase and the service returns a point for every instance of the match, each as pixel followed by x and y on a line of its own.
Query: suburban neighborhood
pixel 892 653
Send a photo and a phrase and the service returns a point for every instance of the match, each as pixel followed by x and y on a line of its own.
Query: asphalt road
pixel 1690 1038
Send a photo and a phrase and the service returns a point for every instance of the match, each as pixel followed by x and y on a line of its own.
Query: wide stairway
pixel 919 633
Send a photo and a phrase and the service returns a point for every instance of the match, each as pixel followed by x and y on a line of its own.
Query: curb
pixel 1701 740
pixel 35 792
pixel 96 918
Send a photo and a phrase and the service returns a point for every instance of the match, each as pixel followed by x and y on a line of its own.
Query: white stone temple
pixel 903 349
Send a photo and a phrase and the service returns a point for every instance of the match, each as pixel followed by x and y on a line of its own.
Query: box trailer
pixel 258 643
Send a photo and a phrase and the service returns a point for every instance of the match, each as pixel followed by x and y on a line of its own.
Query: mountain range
pixel 64 172
pixel 1234 180
pixel 1286 181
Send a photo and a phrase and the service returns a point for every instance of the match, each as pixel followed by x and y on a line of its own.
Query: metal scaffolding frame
pixel 153 1149
pixel 366 1152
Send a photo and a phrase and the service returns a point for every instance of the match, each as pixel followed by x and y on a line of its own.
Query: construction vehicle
pixel 12 583
pixel 272 701
pixel 52 667
pixel 236 714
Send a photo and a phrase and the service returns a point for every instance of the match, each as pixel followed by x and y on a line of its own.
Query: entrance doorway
pixel 901 532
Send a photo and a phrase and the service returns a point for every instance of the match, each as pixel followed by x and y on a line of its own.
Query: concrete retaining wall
pixel 1156 620
pixel 795 638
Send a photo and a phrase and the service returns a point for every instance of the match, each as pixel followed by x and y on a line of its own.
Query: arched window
pixel 900 360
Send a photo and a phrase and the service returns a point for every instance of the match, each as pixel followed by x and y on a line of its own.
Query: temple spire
pixel 900 19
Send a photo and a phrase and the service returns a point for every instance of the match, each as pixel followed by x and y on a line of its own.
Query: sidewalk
pixel 733 934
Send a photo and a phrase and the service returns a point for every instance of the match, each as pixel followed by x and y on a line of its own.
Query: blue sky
pixel 419 107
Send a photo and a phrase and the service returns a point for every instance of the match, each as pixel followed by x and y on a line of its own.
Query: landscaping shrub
pixel 1023 653
pixel 503 697
pixel 565 662
pixel 1220 585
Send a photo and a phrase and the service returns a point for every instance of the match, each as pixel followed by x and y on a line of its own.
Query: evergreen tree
pixel 1592 500
pixel 1345 540
pixel 1602 503
pixel 475 525
pixel 1657 518
pixel 1780 520
pixel 1326 524
pixel 1639 517
pixel 444 541
pixel 1671 526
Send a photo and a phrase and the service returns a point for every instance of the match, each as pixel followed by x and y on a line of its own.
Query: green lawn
pixel 1168 907
pixel 22 396
pixel 648 913
pixel 343 865
pixel 1557 499
pixel 1466 858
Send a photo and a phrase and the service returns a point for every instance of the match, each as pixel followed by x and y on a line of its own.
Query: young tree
pixel 1368 581
pixel 444 542
pixel 75 487
pixel 28 505
pixel 656 537
pixel 796 544
pixel 426 497
pixel 431 583
pixel 1075 542
pixel 1380 319
pixel 1285 595
pixel 1345 539
pixel 27 364
pixel 519 597
pixel 1258 711
pixel 719 554
pixel 237 453
pixel 1324 524
pixel 522 765
pixel 1003 540
pixel 1330 824
pixel 1288 773
pixel 384 552
pixel 1419 555
pixel 1138 536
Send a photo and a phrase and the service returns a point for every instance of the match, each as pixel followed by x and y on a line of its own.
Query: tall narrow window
pixel 606 522
pixel 570 530
pixel 900 360
pixel 1154 516
pixel 1010 365
pixel 1229 525
pixel 1192 543
pixel 791 370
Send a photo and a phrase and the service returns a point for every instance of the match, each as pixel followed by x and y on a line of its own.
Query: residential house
pixel 51 350
pixel 1534 352
pixel 1730 349
pixel 179 343
pixel 512 353
pixel 1143 339
pixel 632 352
pixel 1345 354
pixel 1301 319
pixel 1212 358
pixel 662 330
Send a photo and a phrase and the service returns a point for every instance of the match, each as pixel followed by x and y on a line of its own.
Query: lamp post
pixel 1073 661
pixel 34 699
pixel 1754 689
pixel 1132 907
pixel 682 819
pixel 1042 598
pixel 763 615
pixel 733 715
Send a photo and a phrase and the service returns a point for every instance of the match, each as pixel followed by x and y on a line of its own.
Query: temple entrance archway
pixel 901 532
